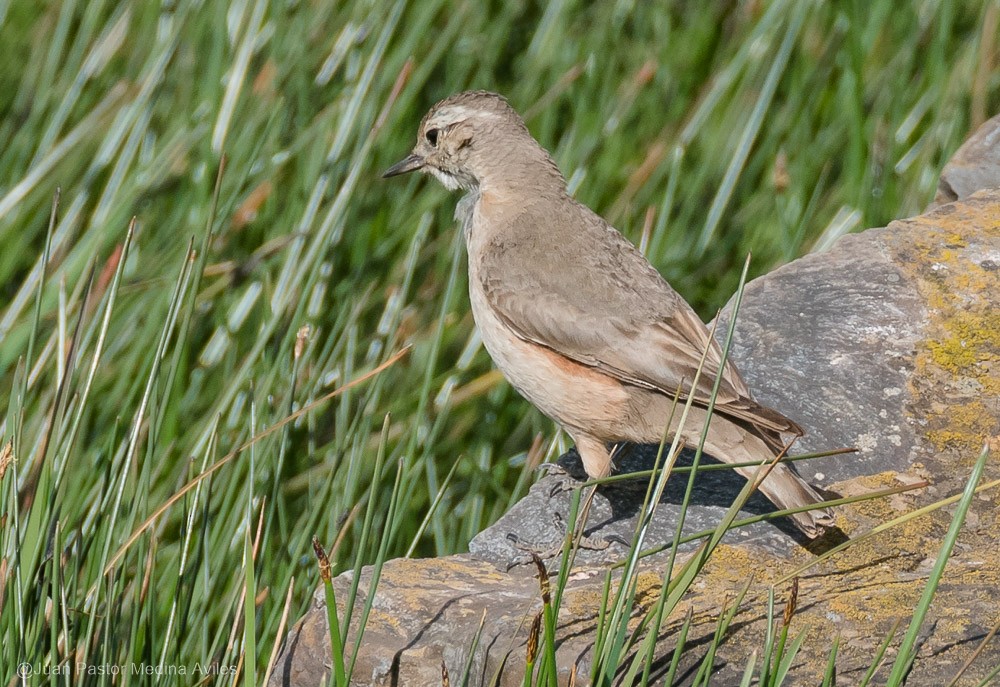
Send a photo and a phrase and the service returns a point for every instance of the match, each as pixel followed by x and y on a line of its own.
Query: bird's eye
pixel 432 137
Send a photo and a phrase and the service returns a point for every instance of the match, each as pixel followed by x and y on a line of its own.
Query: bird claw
pixel 586 543
pixel 530 553
pixel 562 480
pixel 561 487
pixel 546 469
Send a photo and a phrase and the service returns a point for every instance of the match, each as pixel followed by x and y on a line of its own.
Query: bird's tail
pixel 783 485
pixel 786 489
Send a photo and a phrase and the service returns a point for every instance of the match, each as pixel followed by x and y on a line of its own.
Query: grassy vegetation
pixel 133 359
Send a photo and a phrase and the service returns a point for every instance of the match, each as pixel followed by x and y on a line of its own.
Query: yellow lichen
pixel 960 356
pixel 970 339
pixel 647 589
pixel 581 603
pixel 967 424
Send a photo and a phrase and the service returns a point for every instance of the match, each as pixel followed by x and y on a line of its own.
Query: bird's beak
pixel 410 163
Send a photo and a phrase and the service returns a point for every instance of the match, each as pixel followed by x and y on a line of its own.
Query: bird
pixel 577 319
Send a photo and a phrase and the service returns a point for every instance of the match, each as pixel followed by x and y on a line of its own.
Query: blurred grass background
pixel 702 130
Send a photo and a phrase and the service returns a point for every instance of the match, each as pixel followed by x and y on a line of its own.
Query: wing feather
pixel 614 312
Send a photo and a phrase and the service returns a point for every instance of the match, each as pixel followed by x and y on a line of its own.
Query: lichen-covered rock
pixel 429 611
pixel 889 341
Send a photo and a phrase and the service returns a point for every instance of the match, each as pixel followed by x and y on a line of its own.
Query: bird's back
pixel 562 277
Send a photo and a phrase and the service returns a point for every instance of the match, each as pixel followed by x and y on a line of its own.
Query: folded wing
pixel 615 313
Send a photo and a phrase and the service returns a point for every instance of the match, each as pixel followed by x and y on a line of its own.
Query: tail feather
pixel 786 489
pixel 732 443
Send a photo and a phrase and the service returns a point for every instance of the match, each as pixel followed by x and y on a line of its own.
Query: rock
pixel 538 521
pixel 412 626
pixel 889 341
pixel 901 360
pixel 975 166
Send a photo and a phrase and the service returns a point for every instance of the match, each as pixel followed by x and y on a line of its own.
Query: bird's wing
pixel 612 311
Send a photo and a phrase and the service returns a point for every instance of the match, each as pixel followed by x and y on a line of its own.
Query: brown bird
pixel 576 318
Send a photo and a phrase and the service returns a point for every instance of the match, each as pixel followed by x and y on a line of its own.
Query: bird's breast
pixel 572 394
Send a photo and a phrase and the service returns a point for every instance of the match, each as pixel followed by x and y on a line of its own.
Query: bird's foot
pixel 577 537
pixel 546 469
pixel 580 543
pixel 562 480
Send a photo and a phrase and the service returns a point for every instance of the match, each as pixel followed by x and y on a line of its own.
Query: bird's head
pixel 470 138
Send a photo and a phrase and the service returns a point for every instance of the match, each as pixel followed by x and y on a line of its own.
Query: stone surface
pixel 539 520
pixel 889 341
pixel 847 349
pixel 900 360
pixel 975 166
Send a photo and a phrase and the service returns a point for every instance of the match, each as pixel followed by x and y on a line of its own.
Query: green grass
pixel 133 361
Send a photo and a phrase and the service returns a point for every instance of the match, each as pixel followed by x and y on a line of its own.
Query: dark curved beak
pixel 410 163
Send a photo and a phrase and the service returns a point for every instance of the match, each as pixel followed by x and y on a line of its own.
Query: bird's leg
pixel 597 461
pixel 580 538
pixel 596 458
pixel 594 454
